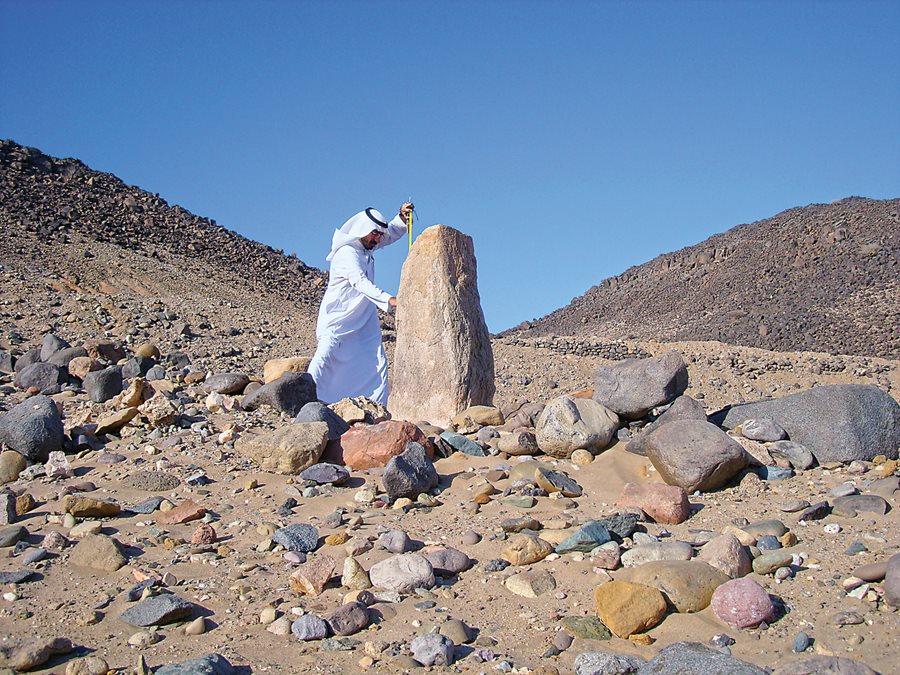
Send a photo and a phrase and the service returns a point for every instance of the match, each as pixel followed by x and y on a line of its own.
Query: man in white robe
pixel 349 360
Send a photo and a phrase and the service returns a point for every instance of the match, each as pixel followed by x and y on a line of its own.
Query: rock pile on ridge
pixel 818 278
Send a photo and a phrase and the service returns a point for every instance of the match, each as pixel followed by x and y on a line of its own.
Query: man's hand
pixel 392 302
pixel 405 210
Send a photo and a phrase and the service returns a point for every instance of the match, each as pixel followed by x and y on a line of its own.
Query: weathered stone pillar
pixel 443 361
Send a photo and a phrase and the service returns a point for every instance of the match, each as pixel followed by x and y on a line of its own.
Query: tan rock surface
pixel 443 361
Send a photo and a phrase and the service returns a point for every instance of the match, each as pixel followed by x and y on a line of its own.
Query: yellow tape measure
pixel 409 223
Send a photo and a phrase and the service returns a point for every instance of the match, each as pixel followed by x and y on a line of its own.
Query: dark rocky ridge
pixel 824 278
pixel 58 198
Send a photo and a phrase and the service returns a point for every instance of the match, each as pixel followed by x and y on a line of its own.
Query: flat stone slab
pixel 158 610
pixel 16 577
pixel 152 481
pixel 297 537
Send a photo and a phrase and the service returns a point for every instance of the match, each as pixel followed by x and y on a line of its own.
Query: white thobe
pixel 350 360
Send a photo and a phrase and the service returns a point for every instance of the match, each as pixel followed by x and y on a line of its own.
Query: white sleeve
pixel 396 229
pixel 346 264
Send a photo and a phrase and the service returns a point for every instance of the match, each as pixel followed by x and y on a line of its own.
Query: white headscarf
pixel 358 226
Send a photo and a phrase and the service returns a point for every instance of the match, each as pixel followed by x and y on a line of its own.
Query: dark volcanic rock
pixel 838 423
pixel 325 473
pixel 29 357
pixel 51 345
pixel 683 408
pixel 297 537
pixel 33 428
pixel 319 412
pixel 693 657
pixel 226 383
pixel 137 366
pixel 63 356
pixel 45 377
pixel 409 474
pixel 210 664
pixel 289 393
pixel 102 385
pixel 631 388
pixel 157 610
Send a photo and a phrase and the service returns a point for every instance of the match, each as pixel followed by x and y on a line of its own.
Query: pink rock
pixel 311 577
pixel 365 447
pixel 204 534
pixel 742 603
pixel 183 513
pixel 667 504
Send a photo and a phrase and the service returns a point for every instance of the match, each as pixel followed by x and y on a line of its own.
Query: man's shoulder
pixel 348 255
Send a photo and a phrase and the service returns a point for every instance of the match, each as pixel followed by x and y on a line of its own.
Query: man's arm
pixel 397 228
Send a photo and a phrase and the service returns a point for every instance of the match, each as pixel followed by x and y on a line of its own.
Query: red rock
pixel 365 447
pixel 204 534
pixel 742 603
pixel 183 513
pixel 666 504
pixel 311 577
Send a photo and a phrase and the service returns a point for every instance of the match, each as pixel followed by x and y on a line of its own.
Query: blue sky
pixel 571 140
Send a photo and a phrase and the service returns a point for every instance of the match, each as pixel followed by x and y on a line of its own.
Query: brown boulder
pixel 288 450
pixel 365 447
pixel 666 504
pixel 627 608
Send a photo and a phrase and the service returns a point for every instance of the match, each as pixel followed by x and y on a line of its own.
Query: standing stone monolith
pixel 443 361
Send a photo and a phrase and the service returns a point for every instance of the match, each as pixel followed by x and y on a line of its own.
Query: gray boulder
pixel 631 388
pixel 410 473
pixel 158 610
pixel 226 383
pixel 29 357
pixel 568 424
pixel 45 377
pixel 695 455
pixel 798 455
pixel 838 422
pixel 324 473
pixel 289 393
pixel 824 665
pixel 319 412
pixel 209 664
pixel 297 537
pixel 432 650
pixel 309 627
pixel 33 428
pixel 63 356
pixel 607 663
pixel 7 362
pixel 892 581
pixel 688 658
pixel 763 430
pixel 683 408
pixel 51 345
pixel 137 366
pixel 102 385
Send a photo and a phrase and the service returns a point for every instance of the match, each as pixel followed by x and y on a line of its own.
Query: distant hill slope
pixel 82 253
pixel 55 199
pixel 824 277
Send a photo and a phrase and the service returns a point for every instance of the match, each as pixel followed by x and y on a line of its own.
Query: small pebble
pixel 801 642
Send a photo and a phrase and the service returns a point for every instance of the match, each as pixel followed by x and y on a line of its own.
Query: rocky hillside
pixel 824 277
pixel 81 251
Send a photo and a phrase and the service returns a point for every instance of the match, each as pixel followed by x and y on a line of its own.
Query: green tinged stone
pixel 586 627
